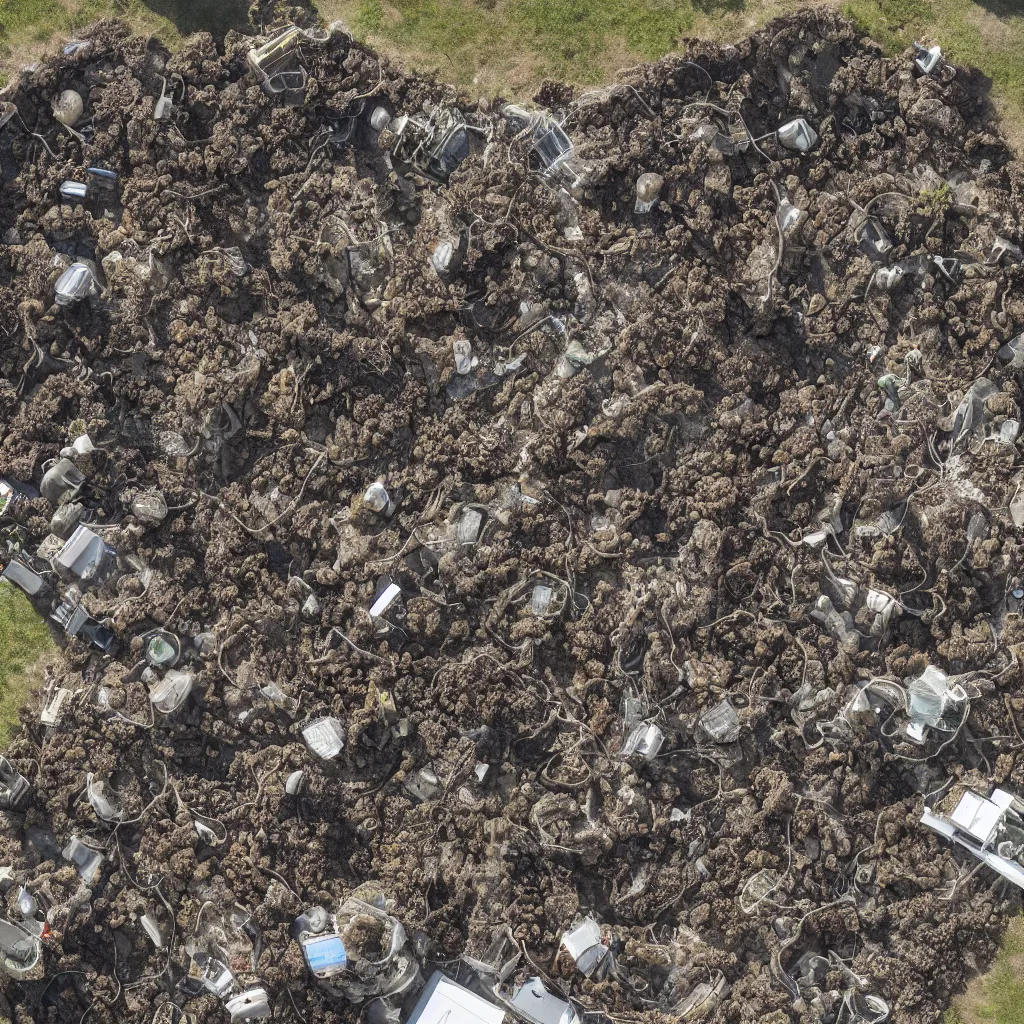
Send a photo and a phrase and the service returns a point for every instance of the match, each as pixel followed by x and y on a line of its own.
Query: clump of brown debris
pixel 569 546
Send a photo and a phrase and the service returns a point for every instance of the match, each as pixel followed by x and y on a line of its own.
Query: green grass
pixel 27 26
pixel 998 996
pixel 564 38
pixel 989 36
pixel 39 19
pixel 24 638
pixel 510 46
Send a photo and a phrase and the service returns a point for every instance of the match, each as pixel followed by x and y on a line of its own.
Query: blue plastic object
pixel 325 955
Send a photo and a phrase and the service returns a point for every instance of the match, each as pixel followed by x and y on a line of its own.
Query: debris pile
pixel 512 561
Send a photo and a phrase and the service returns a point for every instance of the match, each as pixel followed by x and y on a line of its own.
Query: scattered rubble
pixel 512 561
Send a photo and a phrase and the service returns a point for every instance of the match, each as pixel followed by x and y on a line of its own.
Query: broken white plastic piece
pixel 975 825
pixel 721 723
pixel 512 366
pixel 443 1001
pixel 535 1004
pixel 82 445
pixel 789 216
pixel 888 278
pixel 798 135
pixel 1004 247
pixel 249 1005
pixel 277 696
pixel 387 598
pixel 885 608
pixel 169 693
pixel 540 601
pixel 162 108
pixel 927 57
pixel 103 801
pixel 325 737
pixel 424 785
pixel 26 904
pixel 931 699
pixel 293 782
pixel 462 350
pixel 645 740
pixel 873 238
pixel 583 943
pixel 50 715
pixel 442 256
pixel 83 555
pixel 878 601
pixel 153 930
pixel 468 528
pixel 214 975
pixel 85 859
pixel 205 830
pixel 917 732
pixel 78 282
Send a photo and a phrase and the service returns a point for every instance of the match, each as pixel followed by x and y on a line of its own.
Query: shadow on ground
pixel 1002 8
pixel 213 16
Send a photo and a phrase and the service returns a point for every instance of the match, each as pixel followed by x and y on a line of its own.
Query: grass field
pixel 24 641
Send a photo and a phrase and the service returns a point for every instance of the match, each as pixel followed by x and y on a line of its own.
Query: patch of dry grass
pixel 998 996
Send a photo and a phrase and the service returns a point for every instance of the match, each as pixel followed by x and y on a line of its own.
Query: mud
pixel 273 340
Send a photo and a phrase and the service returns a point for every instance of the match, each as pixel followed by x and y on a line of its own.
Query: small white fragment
pixel 385 601
pixel 376 497
pixel 325 737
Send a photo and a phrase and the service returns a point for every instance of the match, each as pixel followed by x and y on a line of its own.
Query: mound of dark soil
pixel 752 451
